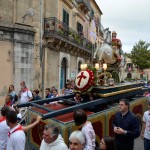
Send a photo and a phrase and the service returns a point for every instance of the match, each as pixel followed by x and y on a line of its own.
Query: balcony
pixel 83 4
pixel 60 34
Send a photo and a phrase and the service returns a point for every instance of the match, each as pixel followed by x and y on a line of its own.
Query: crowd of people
pixel 25 95
pixel 126 125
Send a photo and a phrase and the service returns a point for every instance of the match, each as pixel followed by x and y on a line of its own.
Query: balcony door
pixel 63 73
pixel 79 28
pixel 65 17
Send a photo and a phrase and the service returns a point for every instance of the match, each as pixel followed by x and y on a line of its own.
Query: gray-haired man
pixel 52 139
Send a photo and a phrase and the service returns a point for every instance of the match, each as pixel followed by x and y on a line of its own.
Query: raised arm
pixel 26 128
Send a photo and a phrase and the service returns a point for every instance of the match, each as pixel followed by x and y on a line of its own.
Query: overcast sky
pixel 129 18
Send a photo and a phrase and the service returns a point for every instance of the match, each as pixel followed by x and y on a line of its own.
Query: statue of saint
pixel 116 45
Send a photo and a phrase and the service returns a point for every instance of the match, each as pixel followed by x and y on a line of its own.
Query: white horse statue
pixel 106 53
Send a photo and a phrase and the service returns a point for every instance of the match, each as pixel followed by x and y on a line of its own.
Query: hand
pixel 119 130
pixel 77 100
pixel 14 105
pixel 39 118
pixel 116 130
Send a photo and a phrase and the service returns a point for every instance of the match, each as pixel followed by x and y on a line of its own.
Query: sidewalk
pixel 138 145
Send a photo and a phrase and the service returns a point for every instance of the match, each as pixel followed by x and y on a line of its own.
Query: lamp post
pixel 97 68
pixel 105 77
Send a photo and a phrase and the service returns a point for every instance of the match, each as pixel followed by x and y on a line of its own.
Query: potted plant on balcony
pixel 60 26
pixel 71 35
pixel 60 29
pixel 77 39
pixel 89 46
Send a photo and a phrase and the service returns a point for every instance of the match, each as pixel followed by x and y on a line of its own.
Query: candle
pixel 104 66
pixel 82 66
pixel 97 66
pixel 85 66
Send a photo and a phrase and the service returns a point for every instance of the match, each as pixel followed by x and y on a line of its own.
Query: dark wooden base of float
pixel 105 91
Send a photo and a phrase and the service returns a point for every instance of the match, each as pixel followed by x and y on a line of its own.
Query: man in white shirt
pixel 52 140
pixel 25 95
pixel 16 136
pixel 3 128
pixel 145 132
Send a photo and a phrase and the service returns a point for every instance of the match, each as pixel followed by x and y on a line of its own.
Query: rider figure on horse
pixel 117 46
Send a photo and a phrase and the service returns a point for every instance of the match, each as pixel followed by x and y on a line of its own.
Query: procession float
pixel 101 78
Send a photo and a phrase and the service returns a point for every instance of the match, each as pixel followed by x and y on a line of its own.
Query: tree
pixel 140 55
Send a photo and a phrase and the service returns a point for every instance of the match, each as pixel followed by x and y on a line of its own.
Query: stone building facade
pixel 66 41
pixel 130 71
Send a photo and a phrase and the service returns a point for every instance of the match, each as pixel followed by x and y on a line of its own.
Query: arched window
pixel 63 73
pixel 129 75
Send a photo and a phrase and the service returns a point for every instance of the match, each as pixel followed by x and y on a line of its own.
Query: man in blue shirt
pixel 126 127
pixel 48 93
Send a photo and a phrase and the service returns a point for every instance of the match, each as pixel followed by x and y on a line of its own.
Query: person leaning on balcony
pixel 126 127
pixel 52 140
pixel 145 132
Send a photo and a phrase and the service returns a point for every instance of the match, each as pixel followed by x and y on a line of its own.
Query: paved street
pixel 138 144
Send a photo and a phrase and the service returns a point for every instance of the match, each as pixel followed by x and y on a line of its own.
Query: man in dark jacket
pixel 126 127
pixel 36 95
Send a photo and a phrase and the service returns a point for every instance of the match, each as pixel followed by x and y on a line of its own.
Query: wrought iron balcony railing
pixel 85 3
pixel 52 26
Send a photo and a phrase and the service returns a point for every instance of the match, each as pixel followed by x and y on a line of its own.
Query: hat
pixel 114 32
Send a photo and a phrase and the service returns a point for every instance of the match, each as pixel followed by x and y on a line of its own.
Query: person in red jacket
pixel 117 45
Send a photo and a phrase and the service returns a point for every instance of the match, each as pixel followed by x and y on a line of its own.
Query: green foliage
pixel 140 55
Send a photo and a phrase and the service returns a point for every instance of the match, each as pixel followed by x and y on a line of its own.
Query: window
pixel 129 65
pixel 79 28
pixel 79 66
pixel 65 17
pixel 63 73
pixel 129 75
